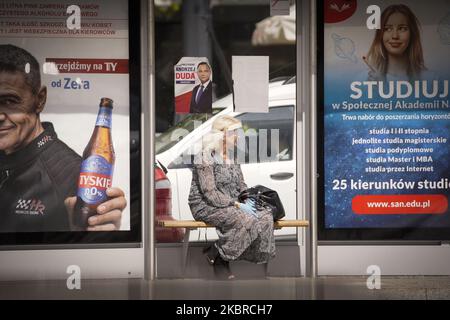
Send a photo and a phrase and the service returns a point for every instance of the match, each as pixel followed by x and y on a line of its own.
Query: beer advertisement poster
pixel 193 85
pixel 386 114
pixel 81 54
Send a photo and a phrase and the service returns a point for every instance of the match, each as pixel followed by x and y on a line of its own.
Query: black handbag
pixel 264 198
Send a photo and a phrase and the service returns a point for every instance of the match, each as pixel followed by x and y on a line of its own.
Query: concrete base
pixel 393 260
pixel 169 263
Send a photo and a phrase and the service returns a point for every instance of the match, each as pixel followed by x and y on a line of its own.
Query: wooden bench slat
pixel 291 223
pixel 200 224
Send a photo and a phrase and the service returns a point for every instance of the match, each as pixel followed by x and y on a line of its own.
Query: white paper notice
pixel 279 7
pixel 251 83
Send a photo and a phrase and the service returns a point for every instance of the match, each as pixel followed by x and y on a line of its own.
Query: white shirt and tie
pixel 201 90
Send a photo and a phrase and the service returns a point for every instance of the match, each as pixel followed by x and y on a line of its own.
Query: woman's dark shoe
pixel 222 269
pixel 211 253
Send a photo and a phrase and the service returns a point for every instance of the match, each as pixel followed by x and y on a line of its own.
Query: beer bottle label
pixel 104 117
pixel 95 177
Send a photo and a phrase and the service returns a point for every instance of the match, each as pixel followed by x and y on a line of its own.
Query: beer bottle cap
pixel 106 102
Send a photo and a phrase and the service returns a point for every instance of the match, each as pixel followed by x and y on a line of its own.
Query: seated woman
pixel 244 232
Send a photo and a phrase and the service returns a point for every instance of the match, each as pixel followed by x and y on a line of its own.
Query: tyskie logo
pixel 95 177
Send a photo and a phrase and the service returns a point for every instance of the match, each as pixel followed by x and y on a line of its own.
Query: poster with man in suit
pixel 201 99
pixel 193 85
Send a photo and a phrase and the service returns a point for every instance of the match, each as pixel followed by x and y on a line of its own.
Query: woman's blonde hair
pixel 213 141
pixel 226 123
pixel 377 55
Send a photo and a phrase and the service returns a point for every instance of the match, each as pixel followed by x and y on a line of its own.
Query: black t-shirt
pixel 35 181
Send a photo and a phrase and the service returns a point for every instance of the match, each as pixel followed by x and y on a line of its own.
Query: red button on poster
pixel 400 204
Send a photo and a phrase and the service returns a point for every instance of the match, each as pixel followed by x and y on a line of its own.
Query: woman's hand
pixel 248 206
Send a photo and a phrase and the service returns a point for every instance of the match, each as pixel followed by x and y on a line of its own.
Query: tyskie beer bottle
pixel 96 168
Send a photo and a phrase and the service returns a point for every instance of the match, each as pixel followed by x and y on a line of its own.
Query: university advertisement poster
pixel 386 114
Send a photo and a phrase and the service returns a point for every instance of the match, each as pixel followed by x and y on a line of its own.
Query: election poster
pixel 386 114
pixel 193 85
pixel 78 52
